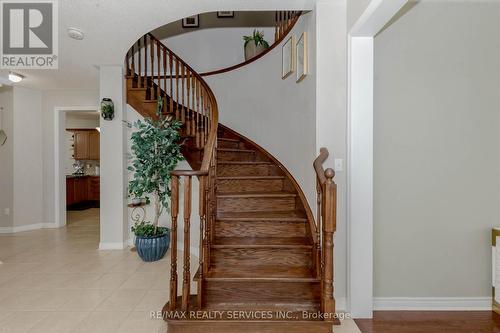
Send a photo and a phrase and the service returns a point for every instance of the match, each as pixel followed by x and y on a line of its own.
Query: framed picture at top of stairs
pixel 301 57
pixel 191 21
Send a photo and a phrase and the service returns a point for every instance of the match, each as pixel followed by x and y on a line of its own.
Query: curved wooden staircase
pixel 265 264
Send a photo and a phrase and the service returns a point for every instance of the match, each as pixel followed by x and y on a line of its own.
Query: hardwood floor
pixel 431 322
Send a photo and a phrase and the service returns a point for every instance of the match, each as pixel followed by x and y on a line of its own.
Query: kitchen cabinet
pixel 94 150
pixel 82 190
pixel 86 144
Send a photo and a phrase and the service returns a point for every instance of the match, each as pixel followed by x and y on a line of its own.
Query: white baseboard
pixel 112 246
pixel 432 303
pixel 28 227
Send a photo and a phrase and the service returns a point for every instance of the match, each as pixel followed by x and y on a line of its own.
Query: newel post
pixel 173 262
pixel 329 225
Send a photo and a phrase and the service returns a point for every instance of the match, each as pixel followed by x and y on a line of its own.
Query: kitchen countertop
pixel 80 176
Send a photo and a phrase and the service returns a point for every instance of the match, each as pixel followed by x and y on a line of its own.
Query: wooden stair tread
pixel 236 150
pixel 261 273
pixel 228 140
pixel 243 162
pixel 280 194
pixel 249 177
pixel 279 216
pixel 261 242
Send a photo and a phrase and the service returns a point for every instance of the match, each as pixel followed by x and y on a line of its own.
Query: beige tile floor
pixel 56 280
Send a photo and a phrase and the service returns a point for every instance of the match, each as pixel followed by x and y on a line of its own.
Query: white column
pixel 114 220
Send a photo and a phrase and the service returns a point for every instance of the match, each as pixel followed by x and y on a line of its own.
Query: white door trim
pixel 60 159
pixel 360 154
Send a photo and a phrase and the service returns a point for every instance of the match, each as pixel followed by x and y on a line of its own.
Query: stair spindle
pixel 187 126
pixel 171 56
pixel 141 82
pixel 165 79
pixel 202 213
pixel 177 99
pixel 183 111
pixel 158 75
pixel 173 251
pixel 187 221
pixel 146 81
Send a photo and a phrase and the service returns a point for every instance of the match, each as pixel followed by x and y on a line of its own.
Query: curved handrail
pixel 212 137
pixel 318 164
pixel 278 40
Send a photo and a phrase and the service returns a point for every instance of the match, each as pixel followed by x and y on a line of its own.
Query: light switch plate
pixel 339 164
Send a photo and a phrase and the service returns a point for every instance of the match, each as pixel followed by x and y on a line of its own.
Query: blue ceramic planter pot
pixel 152 248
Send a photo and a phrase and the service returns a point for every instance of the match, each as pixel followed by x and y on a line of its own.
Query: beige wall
pixel 6 160
pixel 436 147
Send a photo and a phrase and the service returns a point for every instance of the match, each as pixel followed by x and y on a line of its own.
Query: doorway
pixel 77 167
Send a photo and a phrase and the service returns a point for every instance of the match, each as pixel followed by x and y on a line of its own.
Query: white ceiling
pixel 110 28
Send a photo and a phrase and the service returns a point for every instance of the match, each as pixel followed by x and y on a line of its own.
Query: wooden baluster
pixel 197 113
pixel 146 81
pixel 183 78
pixel 171 83
pixel 193 115
pixel 329 225
pixel 177 99
pixel 207 223
pixel 141 82
pixel 189 114
pixel 317 257
pixel 133 59
pixel 173 251
pixel 187 220
pixel 158 75
pixel 202 210
pixel 152 57
pixel 165 79
pixel 276 29
pixel 202 119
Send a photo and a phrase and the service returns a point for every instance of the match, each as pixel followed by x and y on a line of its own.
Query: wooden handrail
pixel 318 164
pixel 279 36
pixel 325 227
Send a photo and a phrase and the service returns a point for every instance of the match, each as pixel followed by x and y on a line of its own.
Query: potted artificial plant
pixel 254 44
pixel 156 149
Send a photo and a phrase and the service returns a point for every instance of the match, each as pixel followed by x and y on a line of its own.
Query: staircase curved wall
pixel 277 114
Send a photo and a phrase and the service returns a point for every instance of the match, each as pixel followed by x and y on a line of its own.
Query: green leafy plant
pixel 146 229
pixel 257 38
pixel 156 150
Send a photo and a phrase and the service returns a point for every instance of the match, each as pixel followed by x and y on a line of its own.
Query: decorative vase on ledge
pixel 252 50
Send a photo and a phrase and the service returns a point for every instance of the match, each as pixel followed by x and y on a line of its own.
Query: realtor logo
pixel 28 34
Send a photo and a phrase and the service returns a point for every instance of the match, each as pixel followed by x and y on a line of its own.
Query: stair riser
pixel 228 204
pixel 235 156
pixel 262 292
pixel 261 256
pixel 259 229
pixel 228 144
pixel 250 185
pixel 246 170
pixel 247 327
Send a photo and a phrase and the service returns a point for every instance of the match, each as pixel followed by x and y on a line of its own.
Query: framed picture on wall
pixel 287 57
pixel 191 21
pixel 225 14
pixel 301 56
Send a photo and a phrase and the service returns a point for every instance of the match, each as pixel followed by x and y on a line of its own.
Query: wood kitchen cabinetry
pixel 83 190
pixel 85 144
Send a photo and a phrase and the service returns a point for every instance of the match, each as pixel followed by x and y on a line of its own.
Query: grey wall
pixel 6 159
pixel 436 147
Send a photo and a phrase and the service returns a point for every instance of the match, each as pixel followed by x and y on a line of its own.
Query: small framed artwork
pixel 301 56
pixel 191 21
pixel 288 55
pixel 225 14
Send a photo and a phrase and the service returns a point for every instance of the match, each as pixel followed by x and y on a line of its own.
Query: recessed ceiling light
pixel 75 33
pixel 13 77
